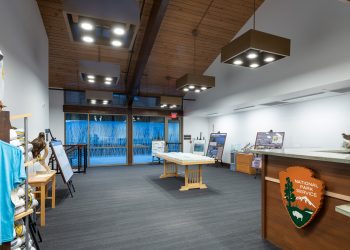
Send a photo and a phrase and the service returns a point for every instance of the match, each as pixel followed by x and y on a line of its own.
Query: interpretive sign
pixel 302 194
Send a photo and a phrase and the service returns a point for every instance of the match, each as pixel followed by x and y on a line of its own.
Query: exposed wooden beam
pixel 157 13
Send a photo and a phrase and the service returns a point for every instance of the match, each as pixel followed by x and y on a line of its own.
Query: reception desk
pixel 330 227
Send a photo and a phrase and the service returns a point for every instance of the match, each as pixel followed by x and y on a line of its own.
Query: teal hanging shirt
pixel 12 173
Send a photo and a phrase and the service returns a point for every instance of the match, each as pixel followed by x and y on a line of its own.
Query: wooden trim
pixel 117 110
pixel 24 214
pixel 130 138
pixel 263 198
pixel 327 193
pixel 15 117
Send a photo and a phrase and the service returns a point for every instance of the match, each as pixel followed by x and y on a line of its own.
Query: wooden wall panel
pixel 329 229
pixel 335 175
pixel 172 54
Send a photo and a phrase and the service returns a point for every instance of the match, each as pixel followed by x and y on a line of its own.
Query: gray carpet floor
pixel 131 208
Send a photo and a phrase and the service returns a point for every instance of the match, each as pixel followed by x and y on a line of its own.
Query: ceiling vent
pixel 243 108
pixel 342 90
pixel 303 96
pixel 273 103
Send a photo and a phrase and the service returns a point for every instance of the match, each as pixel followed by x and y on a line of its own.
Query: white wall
pixel 194 126
pixel 56 113
pixel 316 123
pixel 24 44
pixel 320 33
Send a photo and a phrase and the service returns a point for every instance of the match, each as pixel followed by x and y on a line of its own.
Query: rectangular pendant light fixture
pixel 171 102
pixel 254 49
pixel 195 83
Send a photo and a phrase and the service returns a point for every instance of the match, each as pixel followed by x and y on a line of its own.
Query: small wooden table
pixel 42 181
pixel 193 177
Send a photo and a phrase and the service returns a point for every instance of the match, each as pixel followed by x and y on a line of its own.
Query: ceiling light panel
pixel 101 32
pixel 254 49
pixel 195 83
pixel 99 79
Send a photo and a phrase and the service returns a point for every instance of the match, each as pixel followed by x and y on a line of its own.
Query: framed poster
pixel 62 160
pixel 269 140
pixel 216 145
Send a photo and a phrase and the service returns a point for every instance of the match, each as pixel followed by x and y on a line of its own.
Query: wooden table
pixel 42 181
pixel 193 177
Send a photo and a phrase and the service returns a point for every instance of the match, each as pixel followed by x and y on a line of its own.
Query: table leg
pixel 186 187
pixel 201 185
pixel 170 170
pixel 42 204
pixel 53 192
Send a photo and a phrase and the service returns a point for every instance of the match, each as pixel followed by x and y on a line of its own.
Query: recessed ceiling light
pixel 118 31
pixel 238 62
pixel 108 82
pixel 86 26
pixel 186 89
pixel 88 39
pixel 91 80
pixel 116 43
pixel 91 77
pixel 252 55
pixel 197 90
pixel 203 88
pixel 191 87
pixel 105 102
pixel 108 78
pixel 254 65
pixel 269 59
pixel 93 101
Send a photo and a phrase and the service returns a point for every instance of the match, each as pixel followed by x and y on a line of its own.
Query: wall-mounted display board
pixel 269 140
pixel 216 145
pixel 198 147
pixel 62 160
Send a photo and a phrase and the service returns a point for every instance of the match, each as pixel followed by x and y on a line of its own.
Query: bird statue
pixel 38 144
pixel 346 140
pixel 2 106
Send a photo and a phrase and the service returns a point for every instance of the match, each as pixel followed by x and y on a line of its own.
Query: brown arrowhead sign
pixel 302 194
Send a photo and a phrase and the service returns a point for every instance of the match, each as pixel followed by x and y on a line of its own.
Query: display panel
pixel 216 145
pixel 269 140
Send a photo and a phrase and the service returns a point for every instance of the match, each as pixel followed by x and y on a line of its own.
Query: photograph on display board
pixel 216 145
pixel 269 140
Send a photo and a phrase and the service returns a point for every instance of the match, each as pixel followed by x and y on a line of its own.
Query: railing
pixel 77 156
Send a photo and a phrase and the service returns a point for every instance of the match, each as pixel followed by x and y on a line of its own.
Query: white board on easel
pixel 158 147
pixel 62 160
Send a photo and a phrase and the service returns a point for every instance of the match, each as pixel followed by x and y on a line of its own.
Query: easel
pixel 67 180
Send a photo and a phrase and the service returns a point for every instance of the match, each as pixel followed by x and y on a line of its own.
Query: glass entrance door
pixel 145 130
pixel 108 139
pixel 174 135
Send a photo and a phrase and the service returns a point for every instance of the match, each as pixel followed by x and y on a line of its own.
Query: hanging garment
pixel 12 173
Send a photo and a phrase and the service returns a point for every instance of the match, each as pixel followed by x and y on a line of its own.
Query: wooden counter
pixel 329 229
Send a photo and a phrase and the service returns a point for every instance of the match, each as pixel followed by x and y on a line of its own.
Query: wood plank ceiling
pixel 172 53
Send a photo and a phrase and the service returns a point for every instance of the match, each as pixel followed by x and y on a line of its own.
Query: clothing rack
pixel 27 211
